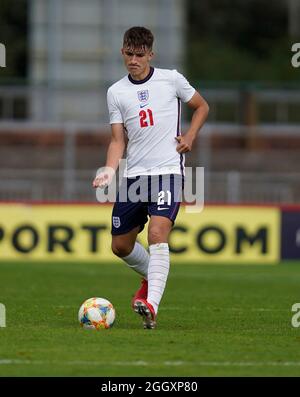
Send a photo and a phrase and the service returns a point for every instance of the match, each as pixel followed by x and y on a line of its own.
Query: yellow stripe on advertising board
pixel 82 232
pixel 228 234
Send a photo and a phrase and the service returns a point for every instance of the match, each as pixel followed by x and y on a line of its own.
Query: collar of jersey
pixel 148 77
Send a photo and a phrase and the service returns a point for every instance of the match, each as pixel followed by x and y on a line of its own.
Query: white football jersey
pixel 150 112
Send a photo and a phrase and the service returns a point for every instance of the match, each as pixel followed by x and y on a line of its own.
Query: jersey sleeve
pixel 184 90
pixel 115 115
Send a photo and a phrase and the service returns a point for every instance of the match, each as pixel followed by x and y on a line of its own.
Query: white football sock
pixel 158 271
pixel 138 260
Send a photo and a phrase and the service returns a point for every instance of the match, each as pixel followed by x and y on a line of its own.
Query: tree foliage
pixel 239 40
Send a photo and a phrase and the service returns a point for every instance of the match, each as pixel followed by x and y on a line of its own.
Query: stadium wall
pixel 219 234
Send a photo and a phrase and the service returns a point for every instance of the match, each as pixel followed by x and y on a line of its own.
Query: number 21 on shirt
pixel 146 118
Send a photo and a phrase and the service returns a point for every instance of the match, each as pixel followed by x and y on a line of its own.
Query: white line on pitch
pixel 148 363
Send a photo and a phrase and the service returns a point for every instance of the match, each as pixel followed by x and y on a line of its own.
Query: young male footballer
pixel 144 110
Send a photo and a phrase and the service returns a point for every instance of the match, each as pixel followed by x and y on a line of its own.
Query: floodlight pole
pixel 54 38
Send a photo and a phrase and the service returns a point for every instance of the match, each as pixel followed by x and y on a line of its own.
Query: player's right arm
pixel 115 152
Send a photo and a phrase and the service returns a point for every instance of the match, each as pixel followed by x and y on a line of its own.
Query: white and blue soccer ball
pixel 96 313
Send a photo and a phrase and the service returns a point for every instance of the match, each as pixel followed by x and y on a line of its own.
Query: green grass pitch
pixel 214 320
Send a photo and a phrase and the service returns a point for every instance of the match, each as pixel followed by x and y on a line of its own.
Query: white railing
pixel 226 104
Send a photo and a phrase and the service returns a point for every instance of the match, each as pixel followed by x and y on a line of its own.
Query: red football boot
pixel 142 292
pixel 145 309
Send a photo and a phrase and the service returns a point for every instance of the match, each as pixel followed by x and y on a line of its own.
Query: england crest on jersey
pixel 116 221
pixel 143 95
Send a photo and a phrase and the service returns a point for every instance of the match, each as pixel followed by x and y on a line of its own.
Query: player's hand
pixel 104 177
pixel 185 143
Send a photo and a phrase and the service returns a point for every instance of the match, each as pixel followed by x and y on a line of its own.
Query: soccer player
pixel 144 110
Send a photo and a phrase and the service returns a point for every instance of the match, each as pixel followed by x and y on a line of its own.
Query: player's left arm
pixel 201 109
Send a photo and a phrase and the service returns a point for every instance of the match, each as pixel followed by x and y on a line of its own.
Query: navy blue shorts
pixel 143 196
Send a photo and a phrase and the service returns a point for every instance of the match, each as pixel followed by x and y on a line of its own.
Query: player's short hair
pixel 138 37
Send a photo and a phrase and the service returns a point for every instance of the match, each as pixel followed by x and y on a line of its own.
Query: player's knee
pixel 121 249
pixel 156 235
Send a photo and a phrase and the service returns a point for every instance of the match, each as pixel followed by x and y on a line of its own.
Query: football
pixel 96 313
